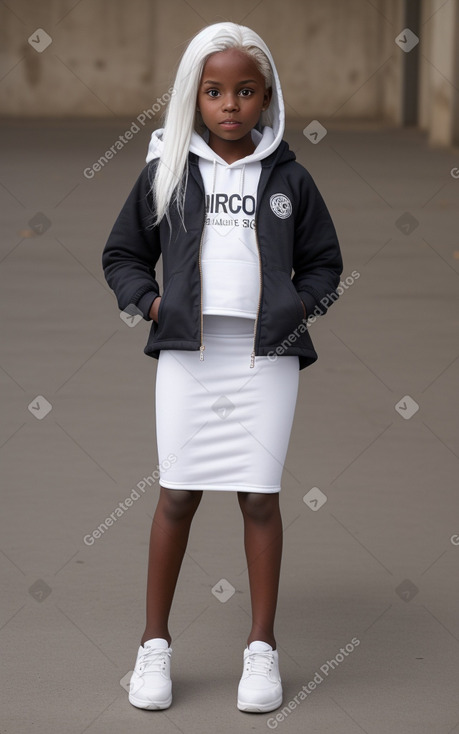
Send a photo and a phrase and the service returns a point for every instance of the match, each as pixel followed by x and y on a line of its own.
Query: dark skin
pixel 231 88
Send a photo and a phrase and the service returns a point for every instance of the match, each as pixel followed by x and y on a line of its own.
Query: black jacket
pixel 294 231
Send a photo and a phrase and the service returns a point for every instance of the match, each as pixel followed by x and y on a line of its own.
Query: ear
pixel 267 98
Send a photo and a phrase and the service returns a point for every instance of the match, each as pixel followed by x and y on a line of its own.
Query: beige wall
pixel 337 58
pixel 439 71
pixel 116 56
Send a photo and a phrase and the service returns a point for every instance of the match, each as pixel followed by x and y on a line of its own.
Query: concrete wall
pixel 337 59
pixel 113 57
pixel 439 80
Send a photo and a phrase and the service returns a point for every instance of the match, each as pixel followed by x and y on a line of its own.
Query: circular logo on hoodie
pixel 281 206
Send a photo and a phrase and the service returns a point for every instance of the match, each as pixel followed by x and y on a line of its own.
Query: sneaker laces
pixel 259 662
pixel 153 660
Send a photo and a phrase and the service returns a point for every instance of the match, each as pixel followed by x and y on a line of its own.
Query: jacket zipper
pixel 252 356
pixel 202 347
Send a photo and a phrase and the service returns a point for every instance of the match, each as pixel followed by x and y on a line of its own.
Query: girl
pixel 231 212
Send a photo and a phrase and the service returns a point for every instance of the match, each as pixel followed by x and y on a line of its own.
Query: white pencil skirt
pixel 219 423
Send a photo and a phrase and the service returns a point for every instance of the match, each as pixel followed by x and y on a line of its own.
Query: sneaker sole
pixel 150 705
pixel 261 708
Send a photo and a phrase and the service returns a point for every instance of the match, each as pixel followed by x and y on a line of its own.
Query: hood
pixel 265 144
pixel 266 141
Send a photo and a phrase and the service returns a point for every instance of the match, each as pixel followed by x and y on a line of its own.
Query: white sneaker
pixel 260 688
pixel 150 686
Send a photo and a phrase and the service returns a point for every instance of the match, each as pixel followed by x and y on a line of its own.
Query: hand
pixel 154 309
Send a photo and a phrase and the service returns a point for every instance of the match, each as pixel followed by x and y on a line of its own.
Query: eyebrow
pixel 244 81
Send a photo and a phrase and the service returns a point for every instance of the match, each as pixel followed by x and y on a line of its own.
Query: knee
pixel 257 506
pixel 177 504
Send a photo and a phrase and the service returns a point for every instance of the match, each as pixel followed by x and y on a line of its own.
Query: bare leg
pixel 168 540
pixel 263 547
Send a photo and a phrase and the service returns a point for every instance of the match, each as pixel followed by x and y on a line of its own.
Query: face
pixel 231 97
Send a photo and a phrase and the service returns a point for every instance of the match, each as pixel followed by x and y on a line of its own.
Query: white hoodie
pixel 229 257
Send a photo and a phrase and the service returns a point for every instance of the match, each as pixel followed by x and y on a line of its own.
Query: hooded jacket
pixel 293 231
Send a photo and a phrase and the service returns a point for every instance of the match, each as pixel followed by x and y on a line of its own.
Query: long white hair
pixel 182 117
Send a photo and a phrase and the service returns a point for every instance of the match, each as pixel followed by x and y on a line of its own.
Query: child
pixel 231 212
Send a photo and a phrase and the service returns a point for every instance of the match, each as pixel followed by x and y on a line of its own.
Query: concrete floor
pixel 377 563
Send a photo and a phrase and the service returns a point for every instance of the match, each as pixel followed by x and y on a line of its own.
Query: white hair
pixel 182 117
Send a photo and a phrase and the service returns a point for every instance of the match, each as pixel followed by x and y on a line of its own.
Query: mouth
pixel 230 123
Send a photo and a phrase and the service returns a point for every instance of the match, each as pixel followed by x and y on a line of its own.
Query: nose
pixel 230 103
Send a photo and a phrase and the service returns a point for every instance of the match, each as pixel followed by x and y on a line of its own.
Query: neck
pixel 232 150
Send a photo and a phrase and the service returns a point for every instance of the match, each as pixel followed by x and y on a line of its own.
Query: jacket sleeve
pixel 317 260
pixel 132 250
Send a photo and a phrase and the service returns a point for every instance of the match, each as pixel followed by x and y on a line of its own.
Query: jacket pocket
pixel 283 310
pixel 164 298
pixel 291 295
pixel 174 310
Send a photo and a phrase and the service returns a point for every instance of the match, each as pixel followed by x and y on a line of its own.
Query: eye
pixel 246 92
pixel 213 93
